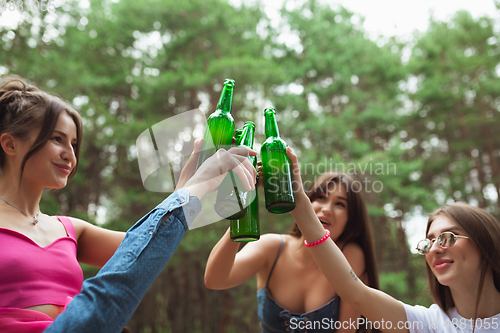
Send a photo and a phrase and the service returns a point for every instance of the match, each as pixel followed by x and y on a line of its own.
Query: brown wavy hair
pixel 25 108
pixel 358 228
pixel 484 231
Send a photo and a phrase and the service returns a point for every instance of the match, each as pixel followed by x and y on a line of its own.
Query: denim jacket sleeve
pixel 109 299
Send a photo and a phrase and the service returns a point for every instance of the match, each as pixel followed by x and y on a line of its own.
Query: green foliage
pixel 415 134
pixel 455 113
pixel 396 283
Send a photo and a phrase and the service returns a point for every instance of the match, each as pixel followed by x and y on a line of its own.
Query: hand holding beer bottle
pixel 232 198
pixel 220 125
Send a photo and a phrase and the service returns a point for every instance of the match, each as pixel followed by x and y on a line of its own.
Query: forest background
pixel 419 117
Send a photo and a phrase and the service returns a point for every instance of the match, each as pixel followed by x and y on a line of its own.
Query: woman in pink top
pixel 40 137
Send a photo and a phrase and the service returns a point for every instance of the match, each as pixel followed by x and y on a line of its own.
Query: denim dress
pixel 274 318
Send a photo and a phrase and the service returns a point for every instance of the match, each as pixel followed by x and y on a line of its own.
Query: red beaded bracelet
pixel 325 237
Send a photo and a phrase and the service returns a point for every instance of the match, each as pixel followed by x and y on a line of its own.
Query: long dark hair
pixel 484 231
pixel 358 228
pixel 24 108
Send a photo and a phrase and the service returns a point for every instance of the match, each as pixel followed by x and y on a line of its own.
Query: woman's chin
pixel 443 279
pixel 57 186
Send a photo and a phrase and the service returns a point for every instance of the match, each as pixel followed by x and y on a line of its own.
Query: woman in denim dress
pixel 293 294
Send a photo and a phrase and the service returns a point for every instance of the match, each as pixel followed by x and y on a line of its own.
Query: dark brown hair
pixel 484 231
pixel 358 228
pixel 25 108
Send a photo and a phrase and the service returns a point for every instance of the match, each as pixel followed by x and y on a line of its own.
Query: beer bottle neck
pixel 226 99
pixel 246 138
pixel 237 136
pixel 271 126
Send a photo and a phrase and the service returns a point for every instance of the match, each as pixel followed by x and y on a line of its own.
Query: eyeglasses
pixel 445 240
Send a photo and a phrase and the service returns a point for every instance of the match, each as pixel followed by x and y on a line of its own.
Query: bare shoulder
pixel 271 239
pixel 95 244
pixel 265 249
pixel 79 224
pixel 267 243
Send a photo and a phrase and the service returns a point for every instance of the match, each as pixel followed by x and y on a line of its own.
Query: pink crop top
pixel 33 275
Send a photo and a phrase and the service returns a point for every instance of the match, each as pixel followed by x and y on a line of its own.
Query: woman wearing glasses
pixel 462 252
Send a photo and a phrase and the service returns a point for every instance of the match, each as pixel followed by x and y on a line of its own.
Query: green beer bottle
pixel 237 135
pixel 246 229
pixel 232 198
pixel 220 125
pixel 276 168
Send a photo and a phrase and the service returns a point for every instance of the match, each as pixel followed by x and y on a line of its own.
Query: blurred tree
pixel 414 135
pixel 340 107
pixel 454 119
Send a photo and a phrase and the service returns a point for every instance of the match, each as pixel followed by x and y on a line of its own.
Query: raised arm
pixel 96 245
pixel 347 314
pixel 109 299
pixel 227 268
pixel 374 304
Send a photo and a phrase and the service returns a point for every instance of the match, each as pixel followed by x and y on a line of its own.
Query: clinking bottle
pixel 232 198
pixel 276 168
pixel 247 229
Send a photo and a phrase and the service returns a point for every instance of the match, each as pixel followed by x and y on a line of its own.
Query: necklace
pixel 35 218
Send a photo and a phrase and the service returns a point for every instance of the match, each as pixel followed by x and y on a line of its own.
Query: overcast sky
pixel 401 17
pixel 386 17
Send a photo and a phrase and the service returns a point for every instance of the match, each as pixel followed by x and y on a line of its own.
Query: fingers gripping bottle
pixel 232 198
pixel 220 125
pixel 276 168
